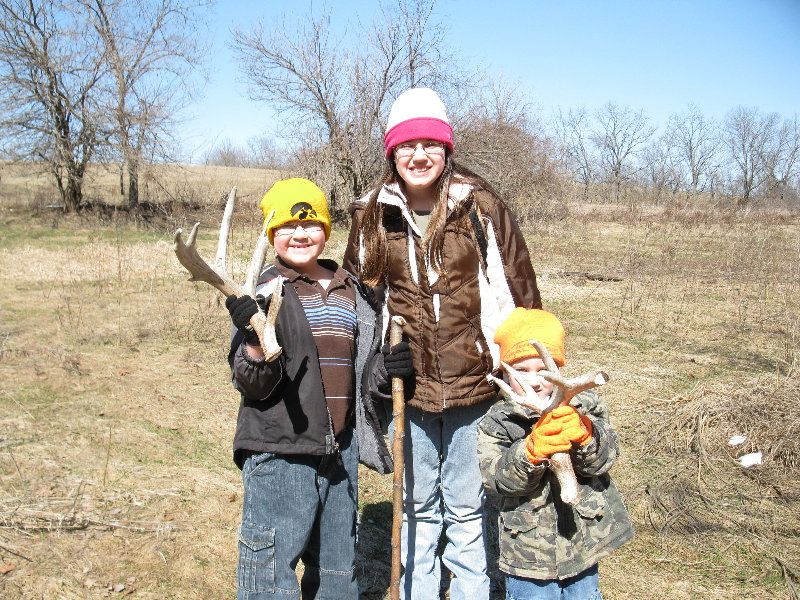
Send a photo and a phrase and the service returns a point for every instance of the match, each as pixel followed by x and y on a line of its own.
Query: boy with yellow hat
pixel 303 416
pixel 549 549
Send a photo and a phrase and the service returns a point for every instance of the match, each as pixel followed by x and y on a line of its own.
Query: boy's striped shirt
pixel 331 315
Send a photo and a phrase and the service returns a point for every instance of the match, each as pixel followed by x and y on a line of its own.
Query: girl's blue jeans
pixel 443 488
pixel 299 506
pixel 583 586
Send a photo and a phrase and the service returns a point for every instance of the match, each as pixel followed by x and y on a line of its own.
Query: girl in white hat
pixel 454 264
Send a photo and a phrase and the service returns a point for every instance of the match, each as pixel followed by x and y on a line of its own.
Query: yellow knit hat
pixel 294 199
pixel 525 324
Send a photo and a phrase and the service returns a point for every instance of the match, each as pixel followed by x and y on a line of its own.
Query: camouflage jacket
pixel 540 536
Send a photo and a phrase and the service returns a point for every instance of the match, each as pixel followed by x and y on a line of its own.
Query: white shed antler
pixel 563 391
pixel 217 276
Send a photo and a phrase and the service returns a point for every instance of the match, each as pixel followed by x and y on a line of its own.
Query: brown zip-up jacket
pixel 451 319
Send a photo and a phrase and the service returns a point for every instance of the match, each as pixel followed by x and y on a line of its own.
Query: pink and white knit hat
pixel 417 113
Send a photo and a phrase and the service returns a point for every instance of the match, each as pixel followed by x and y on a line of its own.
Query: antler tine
pixel 557 395
pixel 218 277
pixel 530 399
pixel 256 265
pixel 225 230
pixel 269 341
pixel 546 357
pixel 200 269
pixel 588 381
pixel 570 388
pixel 257 261
pixel 515 375
pixel 555 378
pixel 190 241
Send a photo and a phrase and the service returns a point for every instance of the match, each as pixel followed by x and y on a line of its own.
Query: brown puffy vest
pixel 450 370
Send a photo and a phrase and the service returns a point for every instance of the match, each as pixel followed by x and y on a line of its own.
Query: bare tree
pixel 498 138
pixel 152 50
pixel 661 165
pixel 695 138
pixel 619 135
pixel 781 156
pixel 227 154
pixel 265 153
pixel 259 152
pixel 334 98
pixel 50 69
pixel 747 135
pixel 573 130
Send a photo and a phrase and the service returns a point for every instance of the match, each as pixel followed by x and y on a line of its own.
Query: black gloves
pixel 241 309
pixel 397 360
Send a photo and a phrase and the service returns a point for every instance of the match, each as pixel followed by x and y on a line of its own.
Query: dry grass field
pixel 116 412
pixel 30 187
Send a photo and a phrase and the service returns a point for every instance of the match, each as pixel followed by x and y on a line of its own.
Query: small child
pixel 294 438
pixel 549 549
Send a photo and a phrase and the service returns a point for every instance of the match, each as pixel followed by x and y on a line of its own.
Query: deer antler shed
pixel 217 276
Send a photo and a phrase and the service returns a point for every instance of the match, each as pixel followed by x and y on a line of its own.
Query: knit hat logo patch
pixel 303 211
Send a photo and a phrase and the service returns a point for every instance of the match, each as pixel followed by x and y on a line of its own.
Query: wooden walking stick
pixel 399 416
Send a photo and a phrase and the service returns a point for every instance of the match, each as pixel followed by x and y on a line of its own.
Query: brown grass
pixel 116 414
pixel 165 189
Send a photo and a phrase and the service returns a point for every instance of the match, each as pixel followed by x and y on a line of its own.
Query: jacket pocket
pixel 399 267
pixel 525 537
pixel 590 509
pixel 480 344
pixel 518 521
pixel 256 569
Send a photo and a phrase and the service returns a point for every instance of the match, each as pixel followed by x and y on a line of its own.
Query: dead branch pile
pixel 76 512
pixel 703 487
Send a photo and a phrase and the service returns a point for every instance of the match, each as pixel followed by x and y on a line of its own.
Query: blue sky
pixel 657 55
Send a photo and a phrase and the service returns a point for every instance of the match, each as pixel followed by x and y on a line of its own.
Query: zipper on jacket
pixel 334 443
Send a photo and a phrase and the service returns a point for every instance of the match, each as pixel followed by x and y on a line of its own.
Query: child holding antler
pixel 302 428
pixel 550 541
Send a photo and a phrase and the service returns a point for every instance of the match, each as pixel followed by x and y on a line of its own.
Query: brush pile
pixel 704 486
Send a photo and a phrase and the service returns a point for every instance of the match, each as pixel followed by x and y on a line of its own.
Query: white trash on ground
pixel 750 460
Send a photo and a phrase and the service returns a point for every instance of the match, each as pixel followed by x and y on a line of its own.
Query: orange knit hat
pixel 525 324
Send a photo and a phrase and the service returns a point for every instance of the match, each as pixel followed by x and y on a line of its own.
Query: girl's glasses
pixel 290 228
pixel 430 148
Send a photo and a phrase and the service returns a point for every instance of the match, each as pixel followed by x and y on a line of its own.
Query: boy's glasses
pixel 290 228
pixel 408 150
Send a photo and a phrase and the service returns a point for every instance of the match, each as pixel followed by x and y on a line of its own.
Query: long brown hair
pixel 376 250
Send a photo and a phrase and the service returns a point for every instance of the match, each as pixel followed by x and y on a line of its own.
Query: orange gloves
pixel 556 432
pixel 577 427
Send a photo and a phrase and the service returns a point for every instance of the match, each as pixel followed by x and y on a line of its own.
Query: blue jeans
pixel 583 586
pixel 443 487
pixel 299 506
